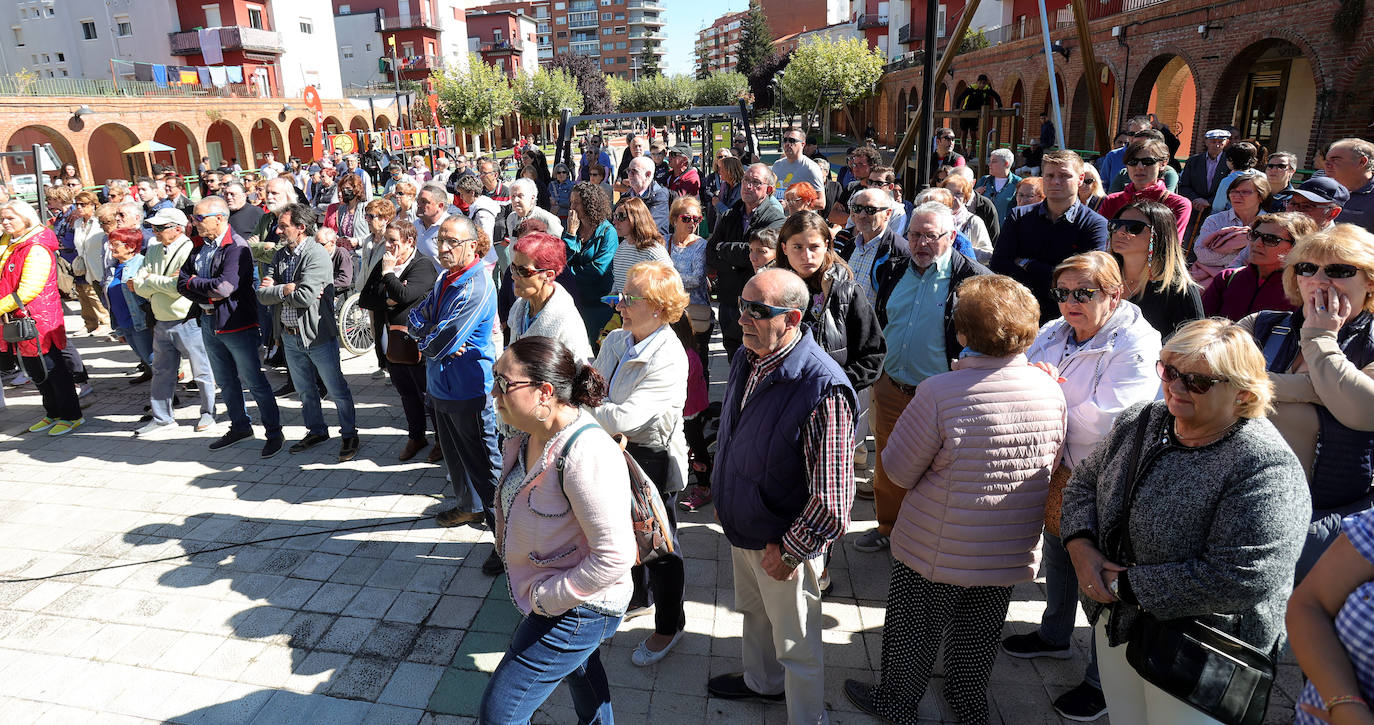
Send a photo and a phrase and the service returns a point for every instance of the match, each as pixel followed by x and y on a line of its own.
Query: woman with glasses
pixel 1146 159
pixel 640 240
pixel 1258 285
pixel 1145 242
pixel 1191 509
pixel 688 252
pixel 90 261
pixel 1321 360
pixel 1090 192
pixel 1104 351
pixel 1225 235
pixel 592 241
pixel 1030 190
pixel 562 492
pixel 542 307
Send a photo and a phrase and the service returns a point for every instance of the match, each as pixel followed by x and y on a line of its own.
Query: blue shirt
pixel 915 328
pixel 1110 164
pixel 119 307
pixel 1360 209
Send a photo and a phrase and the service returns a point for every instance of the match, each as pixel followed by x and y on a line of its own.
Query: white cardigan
pixel 559 320
pixel 89 241
pixel 646 396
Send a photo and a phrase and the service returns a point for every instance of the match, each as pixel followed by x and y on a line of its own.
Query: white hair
pixel 936 210
pixel 23 210
pixel 136 206
pixel 963 171
pixel 642 162
pixel 882 194
pixel 526 185
pixel 1003 154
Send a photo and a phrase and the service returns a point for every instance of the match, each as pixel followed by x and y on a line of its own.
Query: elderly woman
pixel 1145 241
pixel 592 242
pixel 88 239
pixel 688 252
pixel 1090 192
pixel 347 215
pixel 1146 159
pixel 403 196
pixel 1029 191
pixel 1240 291
pixel 543 308
pixel 646 368
pixel 1191 510
pixel 974 451
pixel 1321 360
pixel 128 316
pixel 1000 184
pixel 1104 349
pixel 1225 235
pixel 839 316
pixel 394 286
pixel 1240 156
pixel 960 184
pixel 28 290
pixel 563 488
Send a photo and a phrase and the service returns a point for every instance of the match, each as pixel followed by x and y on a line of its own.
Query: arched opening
pixel 358 124
pixel 333 125
pixel 382 122
pixel 185 153
pixel 941 98
pixel 1356 103
pixel 266 138
pixel 900 116
pixel 224 144
pixel 298 138
pixel 1018 98
pixel 1268 91
pixel 26 137
pixel 1166 88
pixel 105 153
pixel 1081 107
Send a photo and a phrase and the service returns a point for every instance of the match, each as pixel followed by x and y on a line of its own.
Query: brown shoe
pixel 454 517
pixel 436 454
pixel 412 447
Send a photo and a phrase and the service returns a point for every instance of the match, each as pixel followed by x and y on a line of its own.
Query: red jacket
pixel 46 308
pixel 1156 192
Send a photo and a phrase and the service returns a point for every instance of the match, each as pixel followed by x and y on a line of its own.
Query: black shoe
pixel 732 687
pixel 273 446
pixel 309 441
pixel 861 694
pixel 1030 645
pixel 1084 703
pixel 143 377
pixel 493 565
pixel 454 517
pixel 230 438
pixel 349 448
pixel 285 390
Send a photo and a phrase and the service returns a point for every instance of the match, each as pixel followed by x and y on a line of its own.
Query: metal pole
pixel 38 183
pixel 927 111
pixel 1054 84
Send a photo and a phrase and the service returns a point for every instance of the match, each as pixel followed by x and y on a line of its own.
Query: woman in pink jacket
pixel 974 449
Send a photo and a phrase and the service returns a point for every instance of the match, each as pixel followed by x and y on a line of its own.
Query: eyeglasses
pixel 1333 271
pixel 1276 167
pixel 198 218
pixel 873 183
pixel 755 183
pixel 791 141
pixel 1132 226
pixel 1082 294
pixel 618 300
pixel 865 209
pixel 526 272
pixel 944 138
pixel 1195 383
pixel 920 238
pixel 163 227
pixel 371 217
pixel 760 311
pixel 1143 161
pixel 621 216
pixel 502 385
pixel 452 241
pixel 689 219
pixel 1270 240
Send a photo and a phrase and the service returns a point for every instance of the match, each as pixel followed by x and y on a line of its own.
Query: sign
pixel 312 101
pixel 344 143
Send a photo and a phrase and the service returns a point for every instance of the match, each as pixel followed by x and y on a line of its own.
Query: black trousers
pixel 54 381
pixel 665 578
pixel 409 381
pixel 695 430
pixel 379 326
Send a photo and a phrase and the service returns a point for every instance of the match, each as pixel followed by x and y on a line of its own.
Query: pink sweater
pixel 570 546
pixel 975 448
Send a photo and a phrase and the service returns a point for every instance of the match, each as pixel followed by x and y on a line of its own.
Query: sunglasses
pixel 1195 383
pixel 945 138
pixel 163 227
pixel 760 311
pixel 1270 240
pixel 526 272
pixel 1276 167
pixel 689 219
pixel 202 217
pixel 621 216
pixel 1143 161
pixel 618 300
pixel 865 209
pixel 1333 271
pixel 502 385
pixel 1132 226
pixel 1082 294
pixel 791 141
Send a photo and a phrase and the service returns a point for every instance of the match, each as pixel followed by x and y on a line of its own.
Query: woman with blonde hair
pixel 1144 239
pixel 1090 192
pixel 1321 361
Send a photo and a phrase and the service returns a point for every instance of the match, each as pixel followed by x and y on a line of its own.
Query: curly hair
pixel 596 207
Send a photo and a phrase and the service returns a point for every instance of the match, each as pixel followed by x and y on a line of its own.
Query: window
pixel 620 45
pixel 345 9
pixel 608 46
pixel 51 13
pixel 88 30
pixel 940 22
pixel 561 20
pixel 367 47
pixel 407 49
pixel 560 6
pixel 47 58
pixel 605 17
pixel 346 51
pixel 620 16
pixel 562 33
pixel 64 72
pixel 18 35
pixel 255 18
pixel 605 31
pixel 212 16
pixel 61 57
pixel 543 28
pixel 123 28
pixel 307 26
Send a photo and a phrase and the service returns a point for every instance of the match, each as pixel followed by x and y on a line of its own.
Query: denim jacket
pixel 133 301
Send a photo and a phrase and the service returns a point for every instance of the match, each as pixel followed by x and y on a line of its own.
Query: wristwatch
pixel 792 562
pixel 1115 585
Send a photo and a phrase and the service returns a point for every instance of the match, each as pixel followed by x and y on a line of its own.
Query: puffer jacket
pixel 846 327
pixel 1109 373
pixel 975 449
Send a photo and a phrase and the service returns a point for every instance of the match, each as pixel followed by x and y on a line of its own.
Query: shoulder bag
pixel 648 517
pixel 401 348
pixel 1213 672
pixel 19 329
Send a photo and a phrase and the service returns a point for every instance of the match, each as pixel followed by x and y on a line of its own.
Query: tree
pixel 622 93
pixel 825 73
pixel 544 95
pixel 703 69
pixel 756 39
pixel 648 60
pixel 657 93
pixel 721 89
pixel 761 80
pixel 474 98
pixel 591 82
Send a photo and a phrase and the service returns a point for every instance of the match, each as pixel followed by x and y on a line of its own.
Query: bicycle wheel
pixel 355 326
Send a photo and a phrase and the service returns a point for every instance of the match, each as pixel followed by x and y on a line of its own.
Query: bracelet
pixel 1345 700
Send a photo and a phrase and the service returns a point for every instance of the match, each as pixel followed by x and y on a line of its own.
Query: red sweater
pixel 1155 192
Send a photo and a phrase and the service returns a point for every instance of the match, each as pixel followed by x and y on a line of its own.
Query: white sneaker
pixel 84 390
pixel 151 427
pixel 205 422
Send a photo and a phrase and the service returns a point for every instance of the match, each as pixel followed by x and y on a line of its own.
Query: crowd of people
pixel 1150 385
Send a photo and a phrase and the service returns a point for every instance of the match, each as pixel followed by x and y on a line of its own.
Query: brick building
pixel 504 39
pixel 615 32
pixel 720 42
pixel 786 17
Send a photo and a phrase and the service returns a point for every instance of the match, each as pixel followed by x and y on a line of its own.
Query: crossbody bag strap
pixel 1133 472
pixel 563 454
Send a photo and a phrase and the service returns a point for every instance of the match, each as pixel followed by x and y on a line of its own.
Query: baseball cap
pixel 1324 190
pixel 682 149
pixel 165 216
pixel 1218 133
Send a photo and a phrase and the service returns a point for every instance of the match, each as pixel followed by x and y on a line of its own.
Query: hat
pixel 167 215
pixel 682 149
pixel 1218 133
pixel 1324 190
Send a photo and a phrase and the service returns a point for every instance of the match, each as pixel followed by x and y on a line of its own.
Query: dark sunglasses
pixel 502 385
pixel 1143 161
pixel 689 219
pixel 1270 240
pixel 1195 383
pixel 202 217
pixel 1276 167
pixel 1083 294
pixel 791 141
pixel 621 216
pixel 865 209
pixel 1333 271
pixel 526 272
pixel 1132 226
pixel 761 311
pixel 163 227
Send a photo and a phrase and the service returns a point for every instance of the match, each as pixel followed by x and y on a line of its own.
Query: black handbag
pixel 1210 670
pixel 19 329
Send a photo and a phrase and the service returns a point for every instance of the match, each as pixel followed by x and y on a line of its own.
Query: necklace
pixel 1205 439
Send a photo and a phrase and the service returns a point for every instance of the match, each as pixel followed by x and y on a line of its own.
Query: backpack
pixel 649 519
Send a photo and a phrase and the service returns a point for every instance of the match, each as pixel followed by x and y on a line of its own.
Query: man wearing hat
pixel 973 98
pixel 1321 198
pixel 1350 161
pixel 682 178
pixel 1204 171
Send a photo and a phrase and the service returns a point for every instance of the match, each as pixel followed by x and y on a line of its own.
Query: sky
pixel 684 18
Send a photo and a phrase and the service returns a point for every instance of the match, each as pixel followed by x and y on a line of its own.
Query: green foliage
pixel 974 40
pixel 476 98
pixel 840 71
pixel 543 95
pixel 756 39
pixel 621 92
pixel 721 89
pixel 648 61
pixel 703 64
pixel 657 93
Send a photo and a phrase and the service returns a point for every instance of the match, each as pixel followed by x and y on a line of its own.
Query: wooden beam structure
pixel 903 152
pixel 1092 72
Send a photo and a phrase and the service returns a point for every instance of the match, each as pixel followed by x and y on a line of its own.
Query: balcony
pixel 872 20
pixel 424 63
pixel 644 5
pixel 407 21
pixel 592 48
pixel 501 47
pixel 650 19
pixel 233 37
pixel 904 35
pixel 582 20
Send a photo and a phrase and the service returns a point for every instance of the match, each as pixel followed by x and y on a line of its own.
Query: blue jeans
pixel 321 358
pixel 1061 603
pixel 140 341
pixel 466 430
pixel 171 340
pixel 234 358
pixel 543 652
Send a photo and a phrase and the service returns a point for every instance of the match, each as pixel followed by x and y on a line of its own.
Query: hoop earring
pixel 546 415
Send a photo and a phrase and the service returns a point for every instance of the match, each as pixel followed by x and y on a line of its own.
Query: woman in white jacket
pixel 1104 350
pixel 646 368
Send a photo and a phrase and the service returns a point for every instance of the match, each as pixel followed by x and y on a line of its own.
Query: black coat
pixel 983 208
pixel 845 326
pixel 409 289
pixel 727 252
pixel 961 268
pixel 1193 182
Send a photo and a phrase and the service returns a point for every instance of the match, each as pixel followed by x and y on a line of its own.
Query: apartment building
pixel 720 42
pixel 615 32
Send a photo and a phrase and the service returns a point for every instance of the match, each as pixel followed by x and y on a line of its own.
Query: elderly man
pixel 431 210
pixel 174 193
pixel 635 147
pixel 442 170
pixel 490 177
pixel 915 306
pixel 1000 183
pixel 176 333
pixel 1322 199
pixel 243 217
pixel 793 167
pixel 1203 172
pixel 851 178
pixel 454 329
pixel 683 180
pixel 461 168
pixel 783 501
pixel 1350 162
pixel 641 184
pixel 218 278
pixel 298 288
pixel 727 251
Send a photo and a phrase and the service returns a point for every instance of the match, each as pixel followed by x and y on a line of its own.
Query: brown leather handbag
pixel 401 347
pixel 1054 502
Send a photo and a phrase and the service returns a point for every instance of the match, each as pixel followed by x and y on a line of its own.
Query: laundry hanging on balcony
pixel 210 48
pixel 234 73
pixel 219 75
pixel 160 75
pixel 144 72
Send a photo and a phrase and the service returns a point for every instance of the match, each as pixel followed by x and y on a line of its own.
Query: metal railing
pixel 231 37
pixel 1063 18
pixel 872 20
pixel 27 86
pixel 583 19
pixel 401 21
pixel 496 46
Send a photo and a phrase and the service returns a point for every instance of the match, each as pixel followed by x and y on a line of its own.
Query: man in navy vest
pixel 784 484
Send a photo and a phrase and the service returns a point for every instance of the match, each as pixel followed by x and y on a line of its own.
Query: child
pixel 694 419
pixel 763 249
pixel 560 190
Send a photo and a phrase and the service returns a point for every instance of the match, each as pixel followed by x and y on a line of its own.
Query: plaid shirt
pixel 828 446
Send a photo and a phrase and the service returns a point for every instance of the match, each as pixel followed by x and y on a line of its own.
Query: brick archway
pixel 266 137
pixel 225 138
pixel 1219 110
pixel 25 137
pixel 186 154
pixel 105 150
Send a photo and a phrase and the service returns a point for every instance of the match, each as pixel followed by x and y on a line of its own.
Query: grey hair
pixel 1358 145
pixel 1003 154
pixel 642 161
pixel 137 206
pixel 325 235
pixel 279 180
pixel 964 171
pixel 772 177
pixel 883 195
pixel 23 209
pixel 214 203
pixel 791 290
pixel 1288 157
pixel 938 211
pixel 527 185
pixel 231 184
pixel 467 225
pixel 437 192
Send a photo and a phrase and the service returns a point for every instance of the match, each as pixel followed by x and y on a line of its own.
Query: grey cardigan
pixel 314 293
pixel 1216 530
